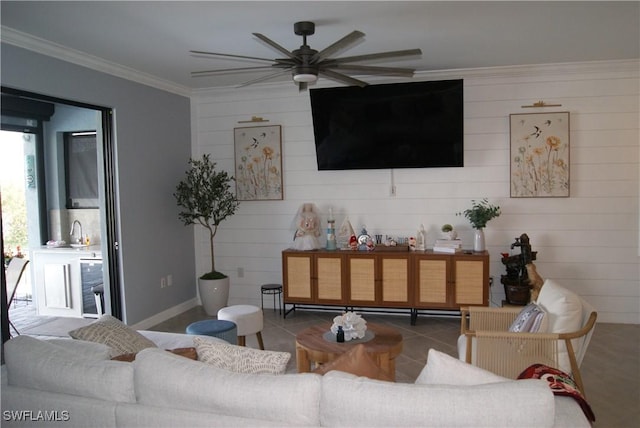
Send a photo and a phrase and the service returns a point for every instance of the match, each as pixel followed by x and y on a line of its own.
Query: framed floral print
pixel 258 159
pixel 539 155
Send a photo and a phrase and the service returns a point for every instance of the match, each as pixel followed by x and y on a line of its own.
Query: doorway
pixel 35 208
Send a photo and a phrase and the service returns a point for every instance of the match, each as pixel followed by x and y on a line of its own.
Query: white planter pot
pixel 478 241
pixel 214 294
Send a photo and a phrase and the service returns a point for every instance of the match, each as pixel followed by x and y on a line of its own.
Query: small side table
pixel 275 290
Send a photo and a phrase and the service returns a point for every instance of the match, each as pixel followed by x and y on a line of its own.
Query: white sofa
pixel 74 383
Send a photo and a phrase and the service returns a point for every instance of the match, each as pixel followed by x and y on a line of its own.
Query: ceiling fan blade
pixel 264 78
pixel 215 54
pixel 367 57
pixel 390 71
pixel 335 47
pixel 342 78
pixel 232 70
pixel 274 45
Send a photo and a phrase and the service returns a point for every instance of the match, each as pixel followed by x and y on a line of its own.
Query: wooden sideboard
pixel 412 280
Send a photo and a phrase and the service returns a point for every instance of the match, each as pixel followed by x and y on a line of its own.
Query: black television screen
pixel 398 125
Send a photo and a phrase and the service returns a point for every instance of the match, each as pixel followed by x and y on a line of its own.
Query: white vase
pixel 478 241
pixel 214 294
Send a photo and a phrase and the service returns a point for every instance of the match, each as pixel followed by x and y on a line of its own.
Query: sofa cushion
pixel 358 362
pixel 113 333
pixel 38 364
pixel 89 350
pixel 291 399
pixel 446 370
pixel 241 359
pixel 351 401
pixel 531 319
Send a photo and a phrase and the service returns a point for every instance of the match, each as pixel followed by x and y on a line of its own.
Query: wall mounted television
pixel 398 125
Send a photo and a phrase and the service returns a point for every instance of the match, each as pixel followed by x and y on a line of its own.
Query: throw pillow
pixel 109 330
pixel 564 307
pixel 560 383
pixel 443 369
pixel 564 310
pixel 240 359
pixel 183 352
pixel 530 320
pixel 358 362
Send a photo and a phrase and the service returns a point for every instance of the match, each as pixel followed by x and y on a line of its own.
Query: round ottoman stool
pixel 247 318
pixel 225 330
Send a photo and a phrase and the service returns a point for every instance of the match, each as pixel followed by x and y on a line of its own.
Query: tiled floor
pixel 611 369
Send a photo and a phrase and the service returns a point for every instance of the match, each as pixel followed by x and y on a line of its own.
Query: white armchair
pixel 486 342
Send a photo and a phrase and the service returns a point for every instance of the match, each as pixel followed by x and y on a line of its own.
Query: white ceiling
pixel 155 37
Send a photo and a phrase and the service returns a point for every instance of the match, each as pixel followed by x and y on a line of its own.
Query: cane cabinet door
pixel 329 278
pixel 297 278
pixel 361 272
pixel 433 281
pixel 471 280
pixel 395 279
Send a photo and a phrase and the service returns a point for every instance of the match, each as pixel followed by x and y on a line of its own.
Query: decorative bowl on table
pixel 353 325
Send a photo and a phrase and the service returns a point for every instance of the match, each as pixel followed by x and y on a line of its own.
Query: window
pixel 81 169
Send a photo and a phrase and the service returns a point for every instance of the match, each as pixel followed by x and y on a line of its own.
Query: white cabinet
pixel 57 278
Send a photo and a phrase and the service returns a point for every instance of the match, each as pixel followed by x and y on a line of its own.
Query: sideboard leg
pixel 286 312
pixel 414 316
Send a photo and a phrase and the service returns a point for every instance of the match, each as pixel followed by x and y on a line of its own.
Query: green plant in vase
pixel 206 199
pixel 479 215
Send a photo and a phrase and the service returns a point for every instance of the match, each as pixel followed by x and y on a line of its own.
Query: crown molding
pixel 45 47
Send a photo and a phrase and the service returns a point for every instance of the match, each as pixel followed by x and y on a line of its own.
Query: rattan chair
pixel 486 342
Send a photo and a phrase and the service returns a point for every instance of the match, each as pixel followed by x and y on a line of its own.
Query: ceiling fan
pixel 307 64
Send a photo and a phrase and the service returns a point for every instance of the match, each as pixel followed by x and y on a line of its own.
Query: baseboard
pixel 166 314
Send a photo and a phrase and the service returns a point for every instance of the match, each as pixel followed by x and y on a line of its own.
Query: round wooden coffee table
pixel 312 347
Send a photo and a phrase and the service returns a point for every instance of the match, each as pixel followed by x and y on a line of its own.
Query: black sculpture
pixel 516 281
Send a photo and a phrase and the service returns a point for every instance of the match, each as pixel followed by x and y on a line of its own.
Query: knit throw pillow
pixel 239 358
pixel 112 332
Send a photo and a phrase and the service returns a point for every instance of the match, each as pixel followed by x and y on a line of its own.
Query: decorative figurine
pixel 363 239
pixel 421 240
pixel 353 242
pixel 345 233
pixel 307 223
pixel 331 231
pixel 412 243
pixel 517 286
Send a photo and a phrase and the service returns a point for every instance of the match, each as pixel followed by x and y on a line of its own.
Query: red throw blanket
pixel 560 383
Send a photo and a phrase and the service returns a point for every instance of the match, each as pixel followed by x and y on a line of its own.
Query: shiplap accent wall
pixel 588 242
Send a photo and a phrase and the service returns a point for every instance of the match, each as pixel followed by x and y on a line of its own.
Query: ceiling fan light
pixel 305 77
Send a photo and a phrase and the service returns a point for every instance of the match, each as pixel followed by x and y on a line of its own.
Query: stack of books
pixel 450 246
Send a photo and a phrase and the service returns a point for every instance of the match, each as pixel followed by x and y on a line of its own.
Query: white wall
pixel 588 242
pixel 152 132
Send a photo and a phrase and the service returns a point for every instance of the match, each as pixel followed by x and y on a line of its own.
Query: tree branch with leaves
pixel 206 199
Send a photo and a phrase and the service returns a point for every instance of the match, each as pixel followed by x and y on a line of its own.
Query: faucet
pixel 73 228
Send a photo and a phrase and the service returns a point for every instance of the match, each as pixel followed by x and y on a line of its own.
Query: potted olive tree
pixel 479 215
pixel 206 199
